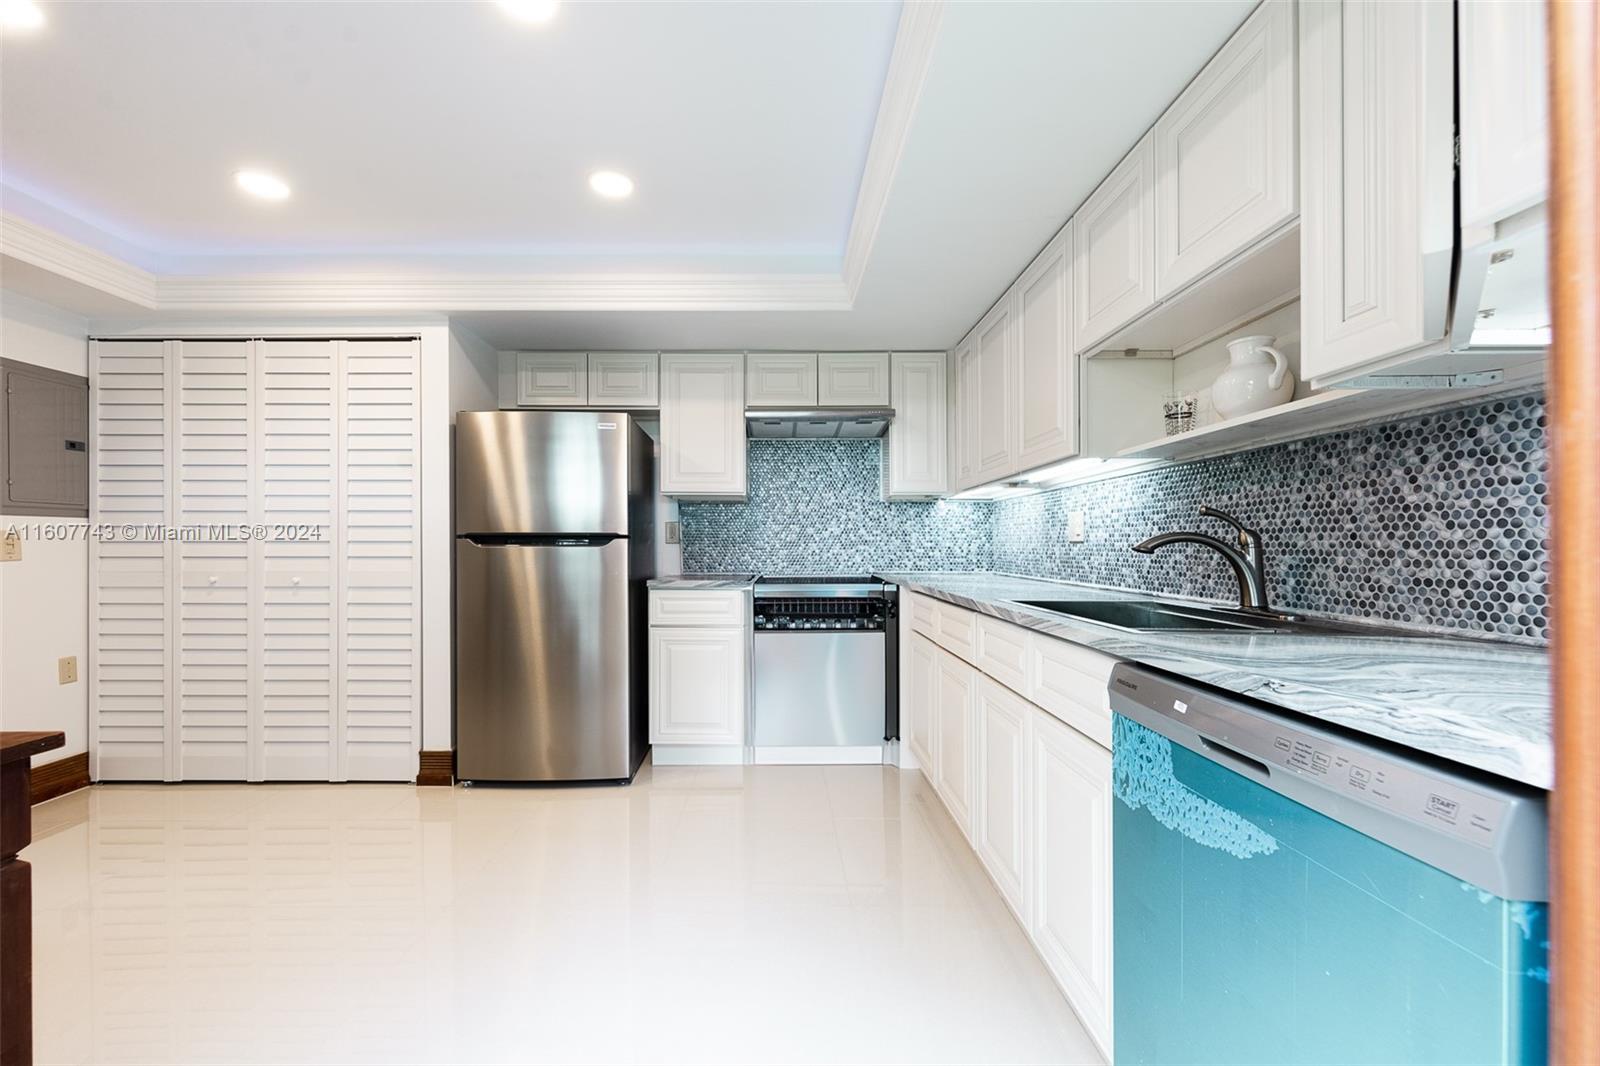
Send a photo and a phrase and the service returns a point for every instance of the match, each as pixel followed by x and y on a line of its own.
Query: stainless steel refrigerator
pixel 555 539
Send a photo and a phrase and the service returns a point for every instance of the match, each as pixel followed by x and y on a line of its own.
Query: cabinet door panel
pixel 1071 868
pixel 996 446
pixel 922 716
pixel 697 686
pixel 956 702
pixel 1113 268
pixel 1225 152
pixel 552 379
pixel 968 385
pixel 702 425
pixel 853 379
pixel 1047 405
pixel 781 379
pixel 624 379
pixel 1504 109
pixel 915 450
pixel 1377 232
pixel 1001 815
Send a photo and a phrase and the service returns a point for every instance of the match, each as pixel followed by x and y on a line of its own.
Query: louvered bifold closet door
pixel 297 404
pixel 379 560
pixel 215 641
pixel 130 564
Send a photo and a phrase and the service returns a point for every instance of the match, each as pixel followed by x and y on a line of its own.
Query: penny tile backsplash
pixel 1438 522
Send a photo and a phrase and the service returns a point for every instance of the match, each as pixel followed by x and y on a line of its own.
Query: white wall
pixel 44 596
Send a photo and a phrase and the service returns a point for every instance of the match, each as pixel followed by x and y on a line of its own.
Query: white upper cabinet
pixel 702 425
pixel 916 453
pixel 964 431
pixel 552 379
pixel 781 379
pixel 1047 409
pixel 996 394
pixel 1376 181
pixel 1225 152
pixel 1504 109
pixel 626 380
pixel 853 379
pixel 1114 249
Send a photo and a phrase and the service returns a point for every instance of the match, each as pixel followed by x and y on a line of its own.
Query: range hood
pixel 817 422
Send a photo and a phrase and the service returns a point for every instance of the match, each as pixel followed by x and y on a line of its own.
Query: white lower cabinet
pixel 918 717
pixel 1026 777
pixel 1001 814
pixel 699 675
pixel 1071 879
pixel 955 701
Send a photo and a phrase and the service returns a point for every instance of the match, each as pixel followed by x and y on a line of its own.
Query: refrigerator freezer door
pixel 543 678
pixel 542 472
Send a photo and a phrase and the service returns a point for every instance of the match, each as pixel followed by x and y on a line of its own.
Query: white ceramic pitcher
pixel 1257 378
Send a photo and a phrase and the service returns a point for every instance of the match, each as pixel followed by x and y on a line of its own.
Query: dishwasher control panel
pixel 821 613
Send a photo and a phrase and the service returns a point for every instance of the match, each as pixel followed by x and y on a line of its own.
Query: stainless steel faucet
pixel 1248 561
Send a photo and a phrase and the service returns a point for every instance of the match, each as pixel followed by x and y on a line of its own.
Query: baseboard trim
pixel 436 768
pixel 57 778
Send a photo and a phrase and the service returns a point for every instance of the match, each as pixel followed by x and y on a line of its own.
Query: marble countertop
pixel 1478 703
pixel 703 581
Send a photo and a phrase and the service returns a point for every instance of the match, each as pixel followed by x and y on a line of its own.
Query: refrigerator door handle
pixel 541 540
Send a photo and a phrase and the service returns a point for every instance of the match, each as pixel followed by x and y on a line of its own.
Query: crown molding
pixel 46 249
pixel 914 43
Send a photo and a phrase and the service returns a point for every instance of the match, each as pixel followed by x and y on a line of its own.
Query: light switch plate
pixel 10 547
pixel 1075 527
pixel 67 669
pixel 674 533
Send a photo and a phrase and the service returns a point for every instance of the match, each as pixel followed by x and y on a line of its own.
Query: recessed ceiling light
pixel 21 15
pixel 530 10
pixel 260 183
pixel 610 184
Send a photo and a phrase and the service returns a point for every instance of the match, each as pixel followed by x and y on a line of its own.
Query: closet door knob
pixel 212 580
pixel 294 581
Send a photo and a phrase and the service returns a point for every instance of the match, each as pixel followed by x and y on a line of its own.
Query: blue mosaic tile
pixel 1438 522
pixel 814 507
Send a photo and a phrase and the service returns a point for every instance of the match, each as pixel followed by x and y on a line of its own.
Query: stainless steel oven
pixel 826 676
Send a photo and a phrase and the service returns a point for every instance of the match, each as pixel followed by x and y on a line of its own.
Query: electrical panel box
pixel 44 441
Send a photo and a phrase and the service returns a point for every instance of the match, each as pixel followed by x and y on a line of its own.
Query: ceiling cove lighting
pixel 261 184
pixel 530 10
pixel 20 15
pixel 611 185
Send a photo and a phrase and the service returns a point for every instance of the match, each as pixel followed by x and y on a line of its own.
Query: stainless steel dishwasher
pixel 825 669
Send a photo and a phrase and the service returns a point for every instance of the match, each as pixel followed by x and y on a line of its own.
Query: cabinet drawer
pixel 694 607
pixel 1071 683
pixel 956 630
pixel 925 616
pixel 1002 652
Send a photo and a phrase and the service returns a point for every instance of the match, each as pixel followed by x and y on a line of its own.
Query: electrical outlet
pixel 1075 527
pixel 674 533
pixel 10 547
pixel 66 669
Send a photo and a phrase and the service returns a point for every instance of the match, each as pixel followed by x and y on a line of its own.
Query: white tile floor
pixel 715 914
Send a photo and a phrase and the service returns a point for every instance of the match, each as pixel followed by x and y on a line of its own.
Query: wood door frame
pixel 1574 390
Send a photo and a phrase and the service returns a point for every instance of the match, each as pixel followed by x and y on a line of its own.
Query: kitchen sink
pixel 1150 615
